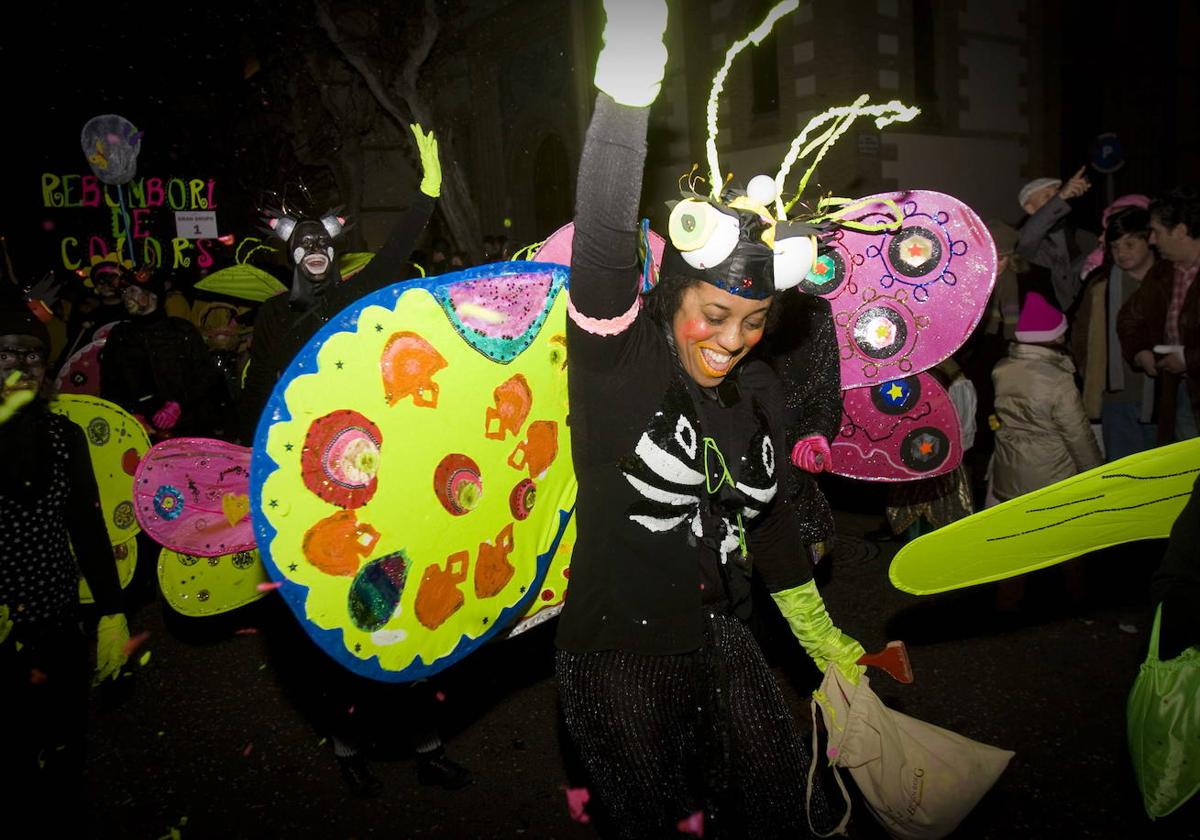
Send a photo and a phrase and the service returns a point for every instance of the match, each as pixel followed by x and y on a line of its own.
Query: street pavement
pixel 205 741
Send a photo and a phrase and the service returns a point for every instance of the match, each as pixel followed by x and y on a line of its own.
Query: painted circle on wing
pixel 168 502
pixel 897 396
pixel 924 449
pixel 341 458
pixel 521 499
pixel 827 274
pixel 458 484
pixel 880 332
pixel 123 516
pixel 375 592
pixel 460 580
pixel 216 586
pixel 98 431
pixel 915 251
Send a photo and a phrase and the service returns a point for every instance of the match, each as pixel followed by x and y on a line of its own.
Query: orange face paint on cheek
pixel 696 329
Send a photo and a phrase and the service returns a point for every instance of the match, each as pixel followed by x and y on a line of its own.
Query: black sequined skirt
pixel 663 737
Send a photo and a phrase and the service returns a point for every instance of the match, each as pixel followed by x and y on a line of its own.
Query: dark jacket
pixel 1049 239
pixel 1141 324
pixel 281 328
pixel 151 360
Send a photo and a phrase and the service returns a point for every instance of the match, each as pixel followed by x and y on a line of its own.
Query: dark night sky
pixel 177 71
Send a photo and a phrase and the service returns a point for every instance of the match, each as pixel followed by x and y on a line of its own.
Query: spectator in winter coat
pixel 1044 435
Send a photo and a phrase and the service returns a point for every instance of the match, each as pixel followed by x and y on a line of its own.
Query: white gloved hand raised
pixel 631 64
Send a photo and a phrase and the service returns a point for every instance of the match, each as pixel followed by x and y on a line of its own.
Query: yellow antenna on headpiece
pixel 843 116
pixel 755 37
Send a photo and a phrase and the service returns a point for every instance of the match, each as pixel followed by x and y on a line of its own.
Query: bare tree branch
pixel 407 106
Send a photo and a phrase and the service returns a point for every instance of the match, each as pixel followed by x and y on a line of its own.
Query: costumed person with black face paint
pixel 285 322
pixel 49 504
pixel 92 308
pixel 158 368
pixel 342 706
pixel 680 448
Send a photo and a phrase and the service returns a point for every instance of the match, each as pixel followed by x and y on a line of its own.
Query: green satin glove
pixel 431 167
pixel 12 397
pixel 6 623
pixel 631 64
pixel 112 641
pixel 804 610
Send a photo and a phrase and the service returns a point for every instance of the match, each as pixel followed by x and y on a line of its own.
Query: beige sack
pixel 919 780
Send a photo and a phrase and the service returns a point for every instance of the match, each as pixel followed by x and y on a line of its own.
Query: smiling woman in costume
pixel 679 444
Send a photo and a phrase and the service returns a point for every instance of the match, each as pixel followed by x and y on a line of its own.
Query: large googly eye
pixel 704 235
pixel 794 256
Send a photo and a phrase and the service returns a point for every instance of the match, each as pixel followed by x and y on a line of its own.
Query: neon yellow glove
pixel 12 398
pixel 112 640
pixel 431 167
pixel 6 623
pixel 804 610
pixel 630 68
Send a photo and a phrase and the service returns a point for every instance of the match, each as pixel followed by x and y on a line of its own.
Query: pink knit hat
pixel 1040 322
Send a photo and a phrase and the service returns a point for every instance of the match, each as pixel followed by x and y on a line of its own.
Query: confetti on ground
pixel 134 643
pixel 246 752
pixel 37 676
pixel 440 696
pixel 693 824
pixel 246 631
pixel 1128 628
pixel 350 711
pixel 144 659
pixel 577 799
pixel 267 587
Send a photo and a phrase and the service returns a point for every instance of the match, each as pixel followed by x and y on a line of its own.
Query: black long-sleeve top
pixel 281 331
pixel 49 503
pixel 654 545
pixel 801 348
pixel 1176 582
pixel 154 359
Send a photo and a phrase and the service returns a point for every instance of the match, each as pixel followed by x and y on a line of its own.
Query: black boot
pixel 358 776
pixel 436 768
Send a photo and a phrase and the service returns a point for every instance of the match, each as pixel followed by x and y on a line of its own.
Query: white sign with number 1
pixel 196 224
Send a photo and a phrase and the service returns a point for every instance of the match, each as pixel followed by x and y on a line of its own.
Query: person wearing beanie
pixel 1048 236
pixel 158 368
pixel 1043 435
pixel 52 531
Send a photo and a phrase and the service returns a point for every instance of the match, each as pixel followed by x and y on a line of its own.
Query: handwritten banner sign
pixel 137 212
